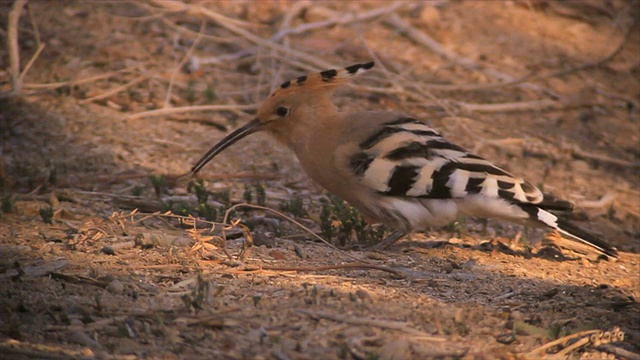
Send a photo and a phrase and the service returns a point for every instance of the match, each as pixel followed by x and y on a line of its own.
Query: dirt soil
pixel 548 90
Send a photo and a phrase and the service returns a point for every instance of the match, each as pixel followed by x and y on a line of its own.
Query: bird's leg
pixel 390 240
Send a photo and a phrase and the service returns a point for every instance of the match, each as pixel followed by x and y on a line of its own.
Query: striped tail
pixel 571 231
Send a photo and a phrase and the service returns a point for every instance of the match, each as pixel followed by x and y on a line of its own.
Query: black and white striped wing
pixel 406 158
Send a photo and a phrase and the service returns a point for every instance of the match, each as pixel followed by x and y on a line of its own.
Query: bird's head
pixel 288 102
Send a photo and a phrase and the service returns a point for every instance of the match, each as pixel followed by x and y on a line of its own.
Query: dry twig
pixel 12 45
pixel 118 89
pixel 278 213
pixel 184 60
pixel 581 154
pixel 179 110
pixel 426 41
pixel 334 19
pixel 385 324
pixel 575 342
pixel 538 105
pixel 620 352
pixel 336 267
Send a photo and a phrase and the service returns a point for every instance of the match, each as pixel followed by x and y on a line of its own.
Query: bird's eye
pixel 282 111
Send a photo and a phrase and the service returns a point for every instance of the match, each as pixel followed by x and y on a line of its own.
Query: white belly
pixel 417 214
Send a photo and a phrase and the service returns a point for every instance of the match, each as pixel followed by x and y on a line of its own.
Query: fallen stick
pixel 184 109
pixel 231 26
pixel 337 20
pixel 334 267
pixel 385 324
pixel 182 62
pixel 544 104
pixel 426 41
pixel 12 45
pixel 118 89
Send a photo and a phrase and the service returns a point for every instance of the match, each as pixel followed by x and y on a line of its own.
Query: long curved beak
pixel 239 133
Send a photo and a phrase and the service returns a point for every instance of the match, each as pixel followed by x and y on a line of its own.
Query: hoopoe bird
pixel 394 168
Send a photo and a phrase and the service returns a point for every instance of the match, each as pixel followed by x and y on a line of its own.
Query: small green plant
pixel 53 174
pixel 204 209
pixel 463 329
pixel 210 95
pixel 198 295
pixel 197 186
pixel 248 195
pixel 190 92
pixel 7 203
pixel 294 206
pixel 349 223
pixel 137 190
pixel 222 197
pixel 457 227
pixel 208 212
pixel 261 194
pixel 158 182
pixel 47 215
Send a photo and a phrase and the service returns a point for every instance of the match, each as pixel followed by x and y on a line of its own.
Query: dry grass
pixel 105 105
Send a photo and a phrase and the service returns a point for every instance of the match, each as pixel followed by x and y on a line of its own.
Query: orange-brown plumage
pixel 394 168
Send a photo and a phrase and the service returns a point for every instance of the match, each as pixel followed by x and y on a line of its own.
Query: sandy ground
pixel 548 90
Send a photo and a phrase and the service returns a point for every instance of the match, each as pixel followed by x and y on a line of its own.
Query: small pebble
pixel 364 295
pixel 260 238
pixel 396 350
pixel 299 252
pixel 108 250
pixel 277 255
pixel 80 337
pixel 516 315
pixel 506 338
pixel 115 287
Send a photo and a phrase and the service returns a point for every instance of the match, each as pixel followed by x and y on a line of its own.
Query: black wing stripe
pixel 440 190
pixel 387 131
pixel 474 185
pixel 360 163
pixel 402 180
pixel 505 194
pixel 413 150
pixel 482 168
pixel 444 145
pixel 403 120
pixel 506 185
pixel 384 133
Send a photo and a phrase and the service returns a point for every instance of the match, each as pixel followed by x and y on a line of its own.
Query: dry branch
pixel 184 60
pixel 581 154
pixel 425 40
pixel 385 324
pixel 30 63
pixel 225 22
pixel 179 110
pixel 280 214
pixel 336 267
pixel 334 19
pixel 538 105
pixel 620 352
pixel 592 64
pixel 52 86
pixel 118 89
pixel 602 203
pixel 12 44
